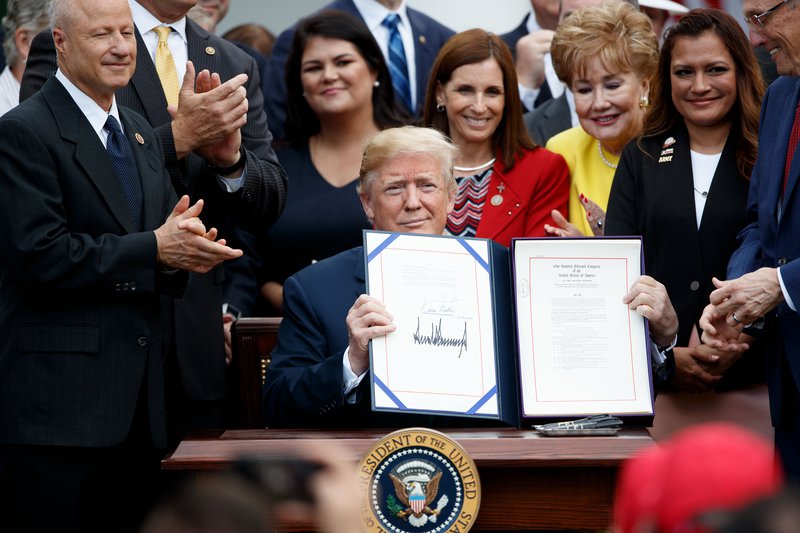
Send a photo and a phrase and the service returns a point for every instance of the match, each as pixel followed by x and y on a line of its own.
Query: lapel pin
pixel 210 50
pixel 669 142
pixel 422 39
pixel 497 200
pixel 139 138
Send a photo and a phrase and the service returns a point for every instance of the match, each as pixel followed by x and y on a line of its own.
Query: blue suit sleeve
pixel 304 380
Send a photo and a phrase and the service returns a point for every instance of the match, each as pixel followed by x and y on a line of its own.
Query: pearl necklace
pixel 473 169
pixel 603 156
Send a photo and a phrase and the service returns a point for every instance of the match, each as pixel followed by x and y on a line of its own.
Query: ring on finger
pixel 736 318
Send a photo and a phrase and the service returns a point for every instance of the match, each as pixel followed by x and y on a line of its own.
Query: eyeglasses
pixel 761 19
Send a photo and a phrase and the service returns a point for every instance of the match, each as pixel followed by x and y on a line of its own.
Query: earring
pixel 644 101
pixel 377 83
pixel 304 95
pixel 440 108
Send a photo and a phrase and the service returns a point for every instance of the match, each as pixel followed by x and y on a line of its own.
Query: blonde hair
pixel 407 140
pixel 615 32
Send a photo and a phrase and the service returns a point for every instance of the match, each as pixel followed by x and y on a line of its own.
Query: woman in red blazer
pixel 507 186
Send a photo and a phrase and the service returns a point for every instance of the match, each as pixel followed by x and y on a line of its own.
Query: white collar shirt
pixel 373 13
pixel 146 23
pixel 95 114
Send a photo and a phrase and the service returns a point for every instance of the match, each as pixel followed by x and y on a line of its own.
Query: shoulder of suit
pixel 544 110
pixel 219 44
pixel 511 38
pixel 433 28
pixel 319 271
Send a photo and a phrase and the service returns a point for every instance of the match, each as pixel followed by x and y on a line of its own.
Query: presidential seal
pixel 419 481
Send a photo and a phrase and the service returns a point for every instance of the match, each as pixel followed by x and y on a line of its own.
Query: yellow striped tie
pixel 165 66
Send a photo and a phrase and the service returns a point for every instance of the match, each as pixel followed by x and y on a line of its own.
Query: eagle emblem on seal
pixel 416 485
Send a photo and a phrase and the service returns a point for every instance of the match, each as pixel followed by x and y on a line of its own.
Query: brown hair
pixel 467 48
pixel 253 35
pixel 746 109
pixel 616 32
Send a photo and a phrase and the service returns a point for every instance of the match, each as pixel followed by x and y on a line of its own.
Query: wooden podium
pixel 528 481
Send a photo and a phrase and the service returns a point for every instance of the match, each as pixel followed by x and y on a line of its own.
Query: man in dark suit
pixel 316 377
pixel 223 147
pixel 530 45
pixel 426 35
pixel 549 119
pixel 763 286
pixel 87 252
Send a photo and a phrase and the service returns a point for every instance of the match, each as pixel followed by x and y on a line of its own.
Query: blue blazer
pixel 768 242
pixel 429 36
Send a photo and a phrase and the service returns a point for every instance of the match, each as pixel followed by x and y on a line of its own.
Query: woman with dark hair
pixel 683 186
pixel 339 95
pixel 507 186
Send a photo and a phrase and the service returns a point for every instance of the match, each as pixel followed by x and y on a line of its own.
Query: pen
pixel 591 422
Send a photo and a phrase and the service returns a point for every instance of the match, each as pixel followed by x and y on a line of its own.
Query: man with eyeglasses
pixel 762 293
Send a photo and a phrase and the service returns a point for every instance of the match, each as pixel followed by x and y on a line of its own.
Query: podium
pixel 528 482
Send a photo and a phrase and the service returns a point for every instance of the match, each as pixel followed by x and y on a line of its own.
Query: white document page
pixel 582 351
pixel 441 357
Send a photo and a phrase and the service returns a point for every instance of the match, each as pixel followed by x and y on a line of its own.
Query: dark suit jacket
pixel 548 119
pixel 511 38
pixel 429 36
pixel 304 382
pixel 197 316
pixel 79 285
pixel 767 242
pixel 656 200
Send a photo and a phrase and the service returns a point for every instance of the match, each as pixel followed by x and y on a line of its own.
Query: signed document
pixel 442 357
pixel 581 350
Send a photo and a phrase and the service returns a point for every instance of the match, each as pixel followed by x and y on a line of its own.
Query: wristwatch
pixel 228 309
pixel 224 171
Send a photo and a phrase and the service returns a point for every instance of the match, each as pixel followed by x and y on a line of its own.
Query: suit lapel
pixel 150 171
pixel 200 53
pixel 721 214
pixel 90 154
pixel 424 54
pixel 144 90
pixel 677 180
pixel 359 271
pixel 794 170
pixel 726 178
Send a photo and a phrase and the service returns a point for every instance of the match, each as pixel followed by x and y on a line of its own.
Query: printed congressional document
pixel 581 350
pixel 442 358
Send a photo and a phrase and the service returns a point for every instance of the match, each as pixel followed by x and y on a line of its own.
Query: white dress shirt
pixel 373 13
pixel 529 95
pixel 9 91
pixel 95 114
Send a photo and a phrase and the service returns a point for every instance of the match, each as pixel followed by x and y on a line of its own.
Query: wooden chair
pixel 252 342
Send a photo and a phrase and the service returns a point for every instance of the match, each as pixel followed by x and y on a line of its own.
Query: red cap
pixel 704 468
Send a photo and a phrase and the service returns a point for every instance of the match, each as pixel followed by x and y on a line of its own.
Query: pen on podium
pixel 591 422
